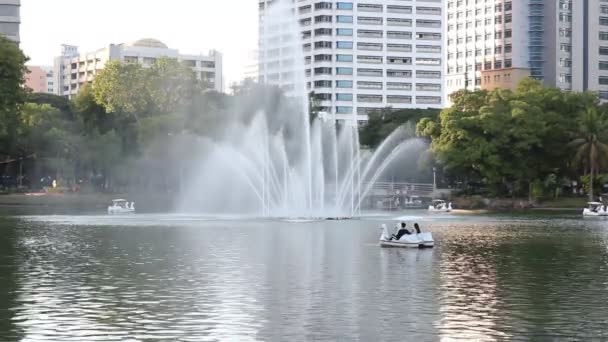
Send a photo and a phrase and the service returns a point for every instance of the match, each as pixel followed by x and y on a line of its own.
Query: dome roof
pixel 150 43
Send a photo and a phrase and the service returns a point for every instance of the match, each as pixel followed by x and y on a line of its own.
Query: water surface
pixel 193 278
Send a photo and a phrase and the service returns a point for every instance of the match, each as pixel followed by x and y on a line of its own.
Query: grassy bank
pixel 509 204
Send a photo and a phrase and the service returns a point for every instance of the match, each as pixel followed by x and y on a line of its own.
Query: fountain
pixel 289 164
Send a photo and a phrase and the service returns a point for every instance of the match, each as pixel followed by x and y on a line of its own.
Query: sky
pixel 191 26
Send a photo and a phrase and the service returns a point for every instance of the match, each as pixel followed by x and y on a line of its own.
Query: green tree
pixel 590 144
pixel 12 93
pixel 123 89
pixel 384 121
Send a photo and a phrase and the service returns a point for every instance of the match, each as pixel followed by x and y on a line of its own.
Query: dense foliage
pixel 515 141
pixel 383 122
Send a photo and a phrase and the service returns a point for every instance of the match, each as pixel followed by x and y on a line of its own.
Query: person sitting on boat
pixel 417 227
pixel 402 231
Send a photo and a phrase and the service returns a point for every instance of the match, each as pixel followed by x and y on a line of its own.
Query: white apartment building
pixel 495 43
pixel 10 19
pixel 488 44
pixel 73 70
pixel 359 55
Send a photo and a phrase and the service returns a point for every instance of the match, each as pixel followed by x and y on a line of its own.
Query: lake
pixel 194 278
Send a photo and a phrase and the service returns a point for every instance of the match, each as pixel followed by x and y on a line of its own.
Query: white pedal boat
pixel 422 240
pixel 440 206
pixel 595 209
pixel 121 206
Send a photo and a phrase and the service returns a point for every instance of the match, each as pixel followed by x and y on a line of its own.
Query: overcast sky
pixel 192 26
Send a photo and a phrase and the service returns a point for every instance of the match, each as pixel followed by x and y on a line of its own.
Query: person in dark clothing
pixel 417 227
pixel 402 231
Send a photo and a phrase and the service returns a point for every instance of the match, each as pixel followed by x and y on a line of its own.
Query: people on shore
pixel 417 227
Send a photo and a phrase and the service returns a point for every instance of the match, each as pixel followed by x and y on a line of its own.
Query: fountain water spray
pixel 305 167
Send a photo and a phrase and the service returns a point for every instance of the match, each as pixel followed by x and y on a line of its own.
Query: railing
pixel 388 188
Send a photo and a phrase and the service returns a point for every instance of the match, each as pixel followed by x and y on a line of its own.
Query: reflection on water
pixel 167 278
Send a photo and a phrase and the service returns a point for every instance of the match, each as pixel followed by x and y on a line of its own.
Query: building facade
pixel 495 43
pixel 73 70
pixel 10 19
pixel 40 79
pixel 488 44
pixel 359 56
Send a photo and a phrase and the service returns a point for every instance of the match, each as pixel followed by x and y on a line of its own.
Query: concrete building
pixel 359 56
pixel 73 69
pixel 488 44
pixel 10 19
pixel 496 43
pixel 40 79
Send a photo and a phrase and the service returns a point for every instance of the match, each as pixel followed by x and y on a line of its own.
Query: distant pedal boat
pixel 595 209
pixel 440 206
pixel 121 206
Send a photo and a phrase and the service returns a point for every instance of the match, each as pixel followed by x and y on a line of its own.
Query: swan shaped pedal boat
pixel 422 240
pixel 595 209
pixel 121 206
pixel 440 206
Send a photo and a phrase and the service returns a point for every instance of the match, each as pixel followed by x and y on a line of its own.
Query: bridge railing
pixel 389 188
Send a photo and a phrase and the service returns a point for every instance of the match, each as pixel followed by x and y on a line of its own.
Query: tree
pixel 505 139
pixel 383 122
pixel 590 145
pixel 123 89
pixel 12 93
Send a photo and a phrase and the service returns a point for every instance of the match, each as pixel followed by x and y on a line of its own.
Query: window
pixel 344 84
pixel 344 110
pixel 322 32
pixel 369 98
pixel 344 71
pixel 369 59
pixel 369 85
pixel 323 71
pixel 344 18
pixel 323 84
pixel 321 5
pixel 399 73
pixel 322 58
pixel 344 97
pixel 344 58
pixel 323 45
pixel 369 72
pixel 399 99
pixel 344 5
pixel 344 45
pixel 323 19
pixel 398 86
pixel 344 32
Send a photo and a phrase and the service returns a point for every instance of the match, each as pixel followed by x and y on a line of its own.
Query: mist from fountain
pixel 300 168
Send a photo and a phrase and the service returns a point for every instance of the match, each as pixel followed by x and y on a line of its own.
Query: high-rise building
pixel 40 79
pixel 10 19
pixel 496 43
pixel 73 70
pixel 489 44
pixel 588 45
pixel 359 56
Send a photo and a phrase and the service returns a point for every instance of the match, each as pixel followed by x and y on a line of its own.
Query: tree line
pixel 531 141
pixel 132 126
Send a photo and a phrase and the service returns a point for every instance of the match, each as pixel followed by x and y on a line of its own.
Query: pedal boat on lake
pixel 440 206
pixel 422 240
pixel 121 206
pixel 595 209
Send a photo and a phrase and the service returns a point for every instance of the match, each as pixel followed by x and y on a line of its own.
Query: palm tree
pixel 591 150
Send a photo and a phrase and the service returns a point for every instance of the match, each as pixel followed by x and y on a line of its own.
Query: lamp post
pixel 434 179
